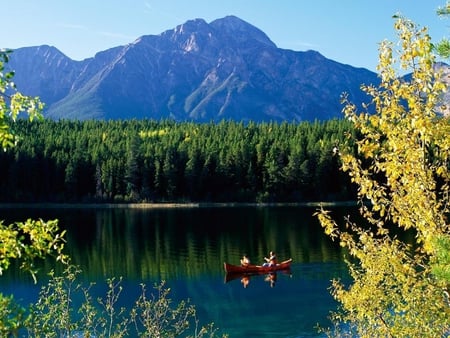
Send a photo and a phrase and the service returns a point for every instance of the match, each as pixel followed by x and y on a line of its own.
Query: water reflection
pixel 271 277
pixel 188 246
pixel 164 244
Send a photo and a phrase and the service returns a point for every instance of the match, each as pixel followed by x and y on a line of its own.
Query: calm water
pixel 186 247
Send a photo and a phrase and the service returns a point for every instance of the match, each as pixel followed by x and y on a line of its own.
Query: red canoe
pixel 285 265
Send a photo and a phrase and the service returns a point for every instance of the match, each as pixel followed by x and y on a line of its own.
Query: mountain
pixel 199 71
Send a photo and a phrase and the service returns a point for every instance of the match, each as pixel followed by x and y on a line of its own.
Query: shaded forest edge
pixel 148 161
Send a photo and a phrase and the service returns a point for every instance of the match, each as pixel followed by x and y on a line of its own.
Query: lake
pixel 187 246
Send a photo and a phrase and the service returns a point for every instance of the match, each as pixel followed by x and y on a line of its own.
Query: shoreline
pixel 169 205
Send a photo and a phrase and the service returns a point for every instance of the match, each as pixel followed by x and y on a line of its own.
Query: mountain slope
pixel 227 69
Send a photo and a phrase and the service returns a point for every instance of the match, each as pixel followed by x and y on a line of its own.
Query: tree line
pixel 166 161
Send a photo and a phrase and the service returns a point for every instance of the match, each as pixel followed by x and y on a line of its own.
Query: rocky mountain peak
pixel 198 71
pixel 190 27
pixel 240 30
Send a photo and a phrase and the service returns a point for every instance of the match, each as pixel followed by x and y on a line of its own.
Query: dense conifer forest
pixel 166 161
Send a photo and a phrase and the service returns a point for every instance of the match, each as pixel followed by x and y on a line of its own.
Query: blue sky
pixel 347 31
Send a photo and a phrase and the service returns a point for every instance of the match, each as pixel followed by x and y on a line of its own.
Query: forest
pixel 166 161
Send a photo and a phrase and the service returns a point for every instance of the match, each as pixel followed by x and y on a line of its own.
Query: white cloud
pixel 298 45
pixel 72 26
pixel 117 36
pixel 148 6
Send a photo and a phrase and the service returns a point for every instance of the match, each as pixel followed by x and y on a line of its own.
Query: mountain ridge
pixel 197 71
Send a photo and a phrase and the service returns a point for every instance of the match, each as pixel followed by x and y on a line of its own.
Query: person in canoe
pixel 245 261
pixel 271 261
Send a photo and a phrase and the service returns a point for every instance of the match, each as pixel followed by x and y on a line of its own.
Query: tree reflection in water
pixel 187 247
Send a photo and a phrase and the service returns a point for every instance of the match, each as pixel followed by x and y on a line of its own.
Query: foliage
pixel 443 47
pixel 12 316
pixel 31 239
pixel 402 171
pixel 153 315
pixel 158 318
pixel 153 161
pixel 12 103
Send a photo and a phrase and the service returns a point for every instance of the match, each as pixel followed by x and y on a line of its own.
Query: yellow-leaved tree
pixel 401 168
